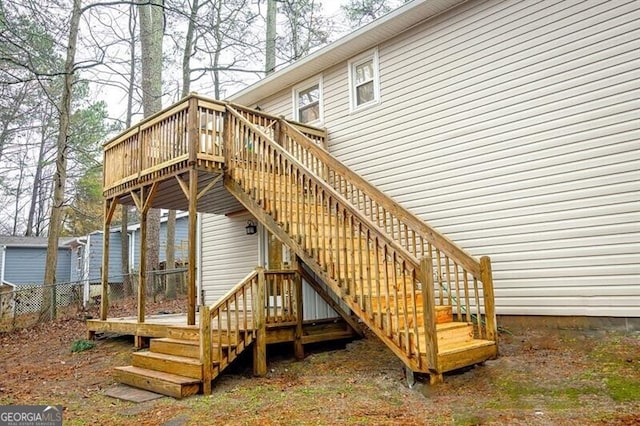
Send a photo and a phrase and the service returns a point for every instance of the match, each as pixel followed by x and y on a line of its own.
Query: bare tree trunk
pixel 124 226
pixel 151 33
pixel 270 48
pixel 188 49
pixel 60 176
pixel 35 192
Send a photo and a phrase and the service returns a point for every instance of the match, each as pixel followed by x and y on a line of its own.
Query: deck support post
pixel 142 274
pixel 297 345
pixel 429 317
pixel 109 209
pixel 489 303
pixel 206 349
pixel 193 224
pixel 259 323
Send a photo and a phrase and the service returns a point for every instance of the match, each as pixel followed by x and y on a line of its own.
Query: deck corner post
pixel 486 276
pixel 298 346
pixel 192 237
pixel 142 267
pixel 109 209
pixel 429 316
pixel 193 131
pixel 206 349
pixel 260 345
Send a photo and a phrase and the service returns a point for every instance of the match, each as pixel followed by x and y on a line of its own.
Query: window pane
pixel 364 93
pixel 308 96
pixel 309 113
pixel 364 72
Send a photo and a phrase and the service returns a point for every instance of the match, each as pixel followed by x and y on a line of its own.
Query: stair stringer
pixel 415 364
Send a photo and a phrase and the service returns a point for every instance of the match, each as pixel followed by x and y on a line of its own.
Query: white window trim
pixel 352 64
pixel 304 86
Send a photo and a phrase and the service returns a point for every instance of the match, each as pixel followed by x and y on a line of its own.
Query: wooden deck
pixel 427 299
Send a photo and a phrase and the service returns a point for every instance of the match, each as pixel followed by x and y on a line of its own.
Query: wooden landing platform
pixel 158 326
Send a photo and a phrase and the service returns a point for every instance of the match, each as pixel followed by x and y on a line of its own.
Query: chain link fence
pixel 25 306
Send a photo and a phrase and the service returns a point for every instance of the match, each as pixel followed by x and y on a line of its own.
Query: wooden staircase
pixel 426 298
pixel 186 361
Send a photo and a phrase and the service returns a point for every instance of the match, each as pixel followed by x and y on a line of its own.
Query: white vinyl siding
pixel 513 128
pixel 228 254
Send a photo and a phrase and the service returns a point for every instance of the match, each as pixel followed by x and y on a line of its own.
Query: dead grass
pixel 541 378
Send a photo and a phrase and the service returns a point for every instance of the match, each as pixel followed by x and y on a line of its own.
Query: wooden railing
pixel 461 280
pixel 226 328
pixel 188 132
pixel 281 296
pixel 376 276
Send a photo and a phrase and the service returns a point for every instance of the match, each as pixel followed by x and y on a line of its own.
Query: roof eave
pixel 345 48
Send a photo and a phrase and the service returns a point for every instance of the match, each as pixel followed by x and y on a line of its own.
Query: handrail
pixel 404 216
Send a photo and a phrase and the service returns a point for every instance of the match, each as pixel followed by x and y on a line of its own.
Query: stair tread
pixel 167 377
pixel 442 326
pixel 453 348
pixel 175 358
pixel 177 341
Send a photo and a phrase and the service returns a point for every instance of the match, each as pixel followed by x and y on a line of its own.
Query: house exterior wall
pixel 25 265
pixel 512 127
pixel 228 254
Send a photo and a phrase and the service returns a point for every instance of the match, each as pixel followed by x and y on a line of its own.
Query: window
pixel 307 101
pixel 363 78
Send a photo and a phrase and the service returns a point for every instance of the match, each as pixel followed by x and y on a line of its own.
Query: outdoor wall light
pixel 251 228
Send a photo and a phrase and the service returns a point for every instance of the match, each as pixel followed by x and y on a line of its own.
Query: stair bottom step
pixel 156 381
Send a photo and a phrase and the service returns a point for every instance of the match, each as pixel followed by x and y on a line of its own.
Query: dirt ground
pixel 541 378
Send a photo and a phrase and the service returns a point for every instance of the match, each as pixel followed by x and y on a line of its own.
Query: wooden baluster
pixel 440 286
pixel 317 204
pixel 368 272
pixel 376 275
pixel 396 301
pixel 355 245
pixel 449 288
pixel 360 281
pixel 466 296
pixel 405 308
pixel 385 277
pixel 457 283
pixel 411 278
pixel 477 308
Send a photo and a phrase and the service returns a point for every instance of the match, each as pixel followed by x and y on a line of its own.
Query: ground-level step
pixel 179 347
pixel 156 381
pixel 462 354
pixel 180 365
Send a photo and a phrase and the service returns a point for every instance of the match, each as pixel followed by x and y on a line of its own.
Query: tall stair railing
pixel 377 277
pixel 461 281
